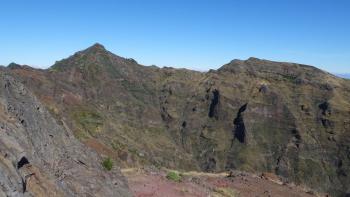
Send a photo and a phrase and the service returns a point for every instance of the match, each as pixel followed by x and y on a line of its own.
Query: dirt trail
pixel 154 183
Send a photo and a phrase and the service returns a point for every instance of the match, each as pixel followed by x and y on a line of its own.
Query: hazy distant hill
pixel 346 75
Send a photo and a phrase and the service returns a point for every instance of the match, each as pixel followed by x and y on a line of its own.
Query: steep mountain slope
pixel 39 157
pixel 111 104
pixel 254 115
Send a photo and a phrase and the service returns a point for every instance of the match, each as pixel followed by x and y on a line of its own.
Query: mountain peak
pixel 253 59
pixel 97 47
pixel 90 55
pixel 94 56
pixel 13 65
pixel 263 67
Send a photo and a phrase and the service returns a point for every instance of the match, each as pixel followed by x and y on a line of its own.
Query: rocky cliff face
pixel 253 115
pixel 40 157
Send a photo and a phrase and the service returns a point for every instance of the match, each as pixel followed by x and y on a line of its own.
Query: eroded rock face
pixel 295 124
pixel 38 157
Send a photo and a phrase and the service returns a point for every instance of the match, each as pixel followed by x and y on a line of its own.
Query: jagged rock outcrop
pixel 40 157
pixel 253 115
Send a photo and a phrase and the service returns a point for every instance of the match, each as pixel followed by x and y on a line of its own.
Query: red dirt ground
pixel 153 183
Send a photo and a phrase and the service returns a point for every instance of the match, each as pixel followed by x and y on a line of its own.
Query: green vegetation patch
pixel 90 122
pixel 107 164
pixel 174 176
pixel 289 77
pixel 224 192
pixel 116 145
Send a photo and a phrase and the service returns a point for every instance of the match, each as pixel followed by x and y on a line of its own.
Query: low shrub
pixel 107 164
pixel 173 176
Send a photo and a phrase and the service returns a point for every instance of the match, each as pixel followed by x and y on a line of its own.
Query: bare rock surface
pixel 38 157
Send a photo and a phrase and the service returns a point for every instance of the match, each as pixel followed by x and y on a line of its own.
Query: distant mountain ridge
pixel 251 115
pixel 344 75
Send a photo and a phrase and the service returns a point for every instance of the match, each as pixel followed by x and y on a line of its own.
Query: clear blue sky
pixel 181 33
